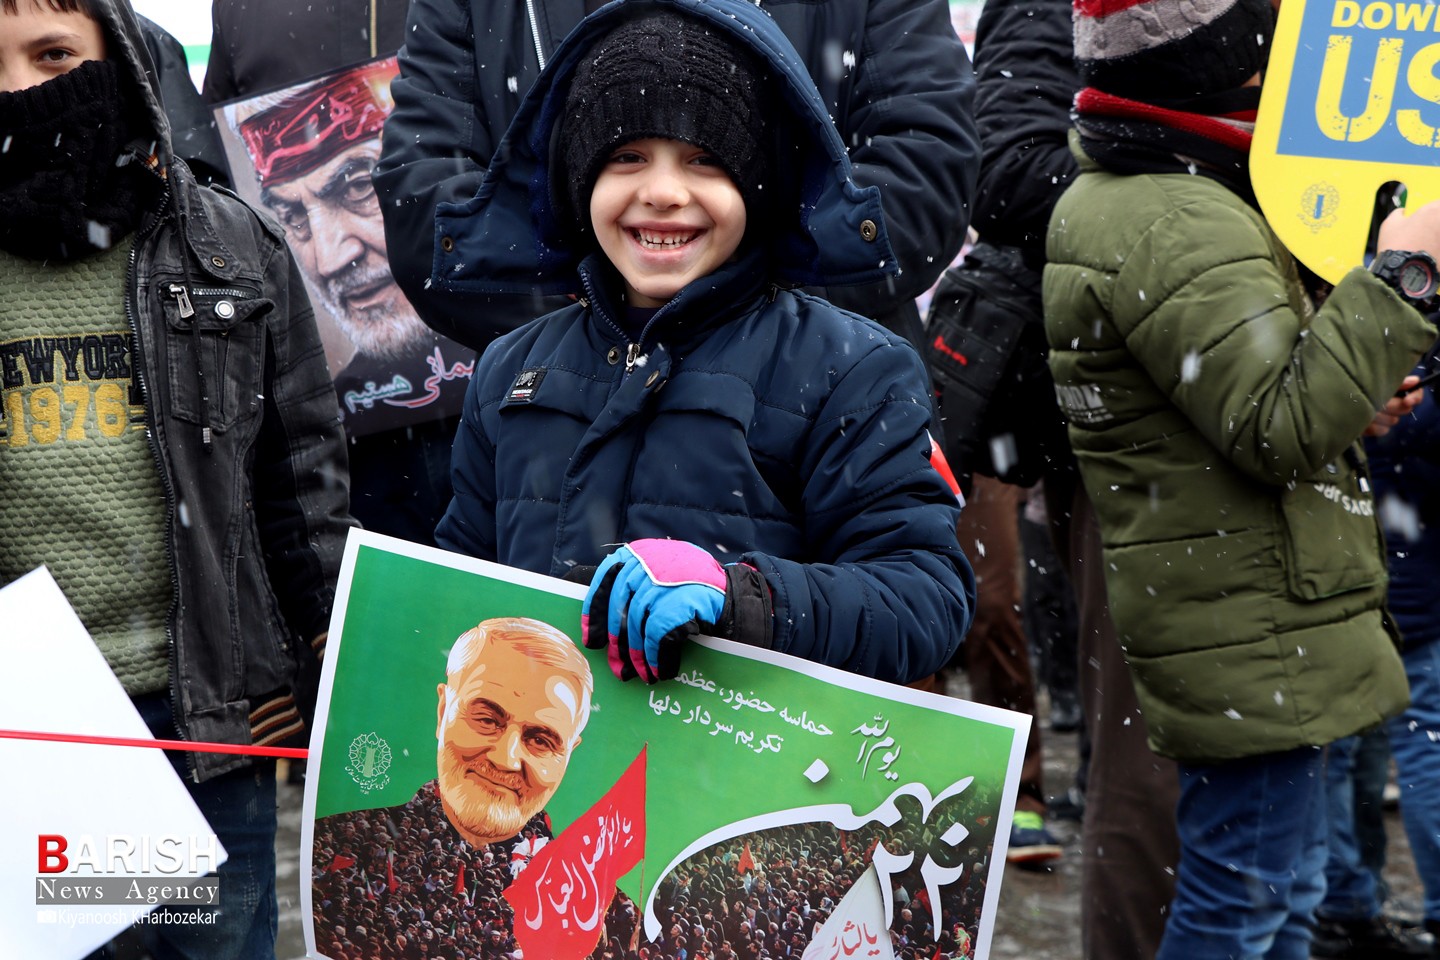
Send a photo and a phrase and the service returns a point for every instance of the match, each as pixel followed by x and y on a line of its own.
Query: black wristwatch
pixel 1413 275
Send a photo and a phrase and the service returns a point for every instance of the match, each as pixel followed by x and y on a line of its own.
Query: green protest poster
pixel 480 785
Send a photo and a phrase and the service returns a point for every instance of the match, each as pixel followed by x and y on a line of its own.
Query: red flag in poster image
pixel 460 881
pixel 923 898
pixel 746 863
pixel 390 882
pixel 561 897
pixel 340 861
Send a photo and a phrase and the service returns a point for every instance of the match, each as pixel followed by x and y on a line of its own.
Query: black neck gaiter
pixel 67 185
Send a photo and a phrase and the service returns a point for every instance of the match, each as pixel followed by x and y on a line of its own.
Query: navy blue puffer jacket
pixel 1405 464
pixel 764 425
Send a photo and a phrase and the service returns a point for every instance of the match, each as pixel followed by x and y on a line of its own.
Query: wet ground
pixel 1039 914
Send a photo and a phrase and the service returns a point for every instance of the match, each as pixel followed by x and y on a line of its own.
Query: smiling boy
pixel 665 213
pixel 762 456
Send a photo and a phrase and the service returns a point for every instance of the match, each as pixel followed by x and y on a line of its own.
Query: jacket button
pixel 868 231
pixel 447 244
pixel 224 309
pixel 218 261
pixel 613 356
pixel 650 380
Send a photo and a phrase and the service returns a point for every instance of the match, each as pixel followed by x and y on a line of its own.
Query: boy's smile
pixel 665 213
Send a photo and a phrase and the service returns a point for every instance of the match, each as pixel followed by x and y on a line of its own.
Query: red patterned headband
pixel 309 128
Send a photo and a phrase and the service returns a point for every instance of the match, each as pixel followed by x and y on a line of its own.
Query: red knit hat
pixel 1171 49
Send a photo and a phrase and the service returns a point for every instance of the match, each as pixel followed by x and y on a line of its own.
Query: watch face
pixel 1416 278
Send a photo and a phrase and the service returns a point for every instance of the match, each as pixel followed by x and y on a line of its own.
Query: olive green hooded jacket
pixel 1215 414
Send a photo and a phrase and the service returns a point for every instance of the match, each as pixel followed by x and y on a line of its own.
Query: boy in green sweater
pixel 170 446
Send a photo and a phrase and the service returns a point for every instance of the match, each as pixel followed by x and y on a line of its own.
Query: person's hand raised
pixel 1417 231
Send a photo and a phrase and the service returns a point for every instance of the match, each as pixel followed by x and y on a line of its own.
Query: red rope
pixel 196 746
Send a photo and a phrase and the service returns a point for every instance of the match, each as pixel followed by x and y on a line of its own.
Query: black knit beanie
pixel 1160 50
pixel 668 76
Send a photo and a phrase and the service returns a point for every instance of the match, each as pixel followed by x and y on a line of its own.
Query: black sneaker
pixel 1071 806
pixel 1064 712
pixel 1374 938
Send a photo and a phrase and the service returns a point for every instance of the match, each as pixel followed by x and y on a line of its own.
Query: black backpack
pixel 985 347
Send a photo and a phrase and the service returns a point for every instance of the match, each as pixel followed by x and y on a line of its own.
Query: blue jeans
pixel 1252 858
pixel 1351 892
pixel 1415 743
pixel 1372 772
pixel 240 808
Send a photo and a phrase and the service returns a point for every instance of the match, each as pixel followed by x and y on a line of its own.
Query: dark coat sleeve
pixel 220 82
pixel 259 45
pixel 909 127
pixel 886 591
pixel 1025 83
pixel 300 460
pixel 192 126
pixel 438 142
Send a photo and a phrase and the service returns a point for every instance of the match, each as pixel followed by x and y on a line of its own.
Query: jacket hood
pixel 126 48
pixel 512 237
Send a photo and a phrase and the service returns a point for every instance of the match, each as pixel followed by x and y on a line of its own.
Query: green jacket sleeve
pixel 1227 333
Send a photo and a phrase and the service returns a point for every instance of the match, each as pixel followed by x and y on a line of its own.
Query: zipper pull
pixel 632 354
pixel 182 297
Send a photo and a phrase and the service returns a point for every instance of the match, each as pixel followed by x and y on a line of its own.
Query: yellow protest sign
pixel 1351 103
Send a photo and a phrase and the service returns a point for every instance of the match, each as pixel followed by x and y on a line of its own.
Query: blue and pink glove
pixel 650 596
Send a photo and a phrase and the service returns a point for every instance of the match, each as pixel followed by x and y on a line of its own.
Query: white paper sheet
pixel 54 680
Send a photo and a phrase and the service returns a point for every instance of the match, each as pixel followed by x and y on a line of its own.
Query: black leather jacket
pixel 246 436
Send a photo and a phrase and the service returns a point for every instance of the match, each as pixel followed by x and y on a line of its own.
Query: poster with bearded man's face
pixel 305 154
